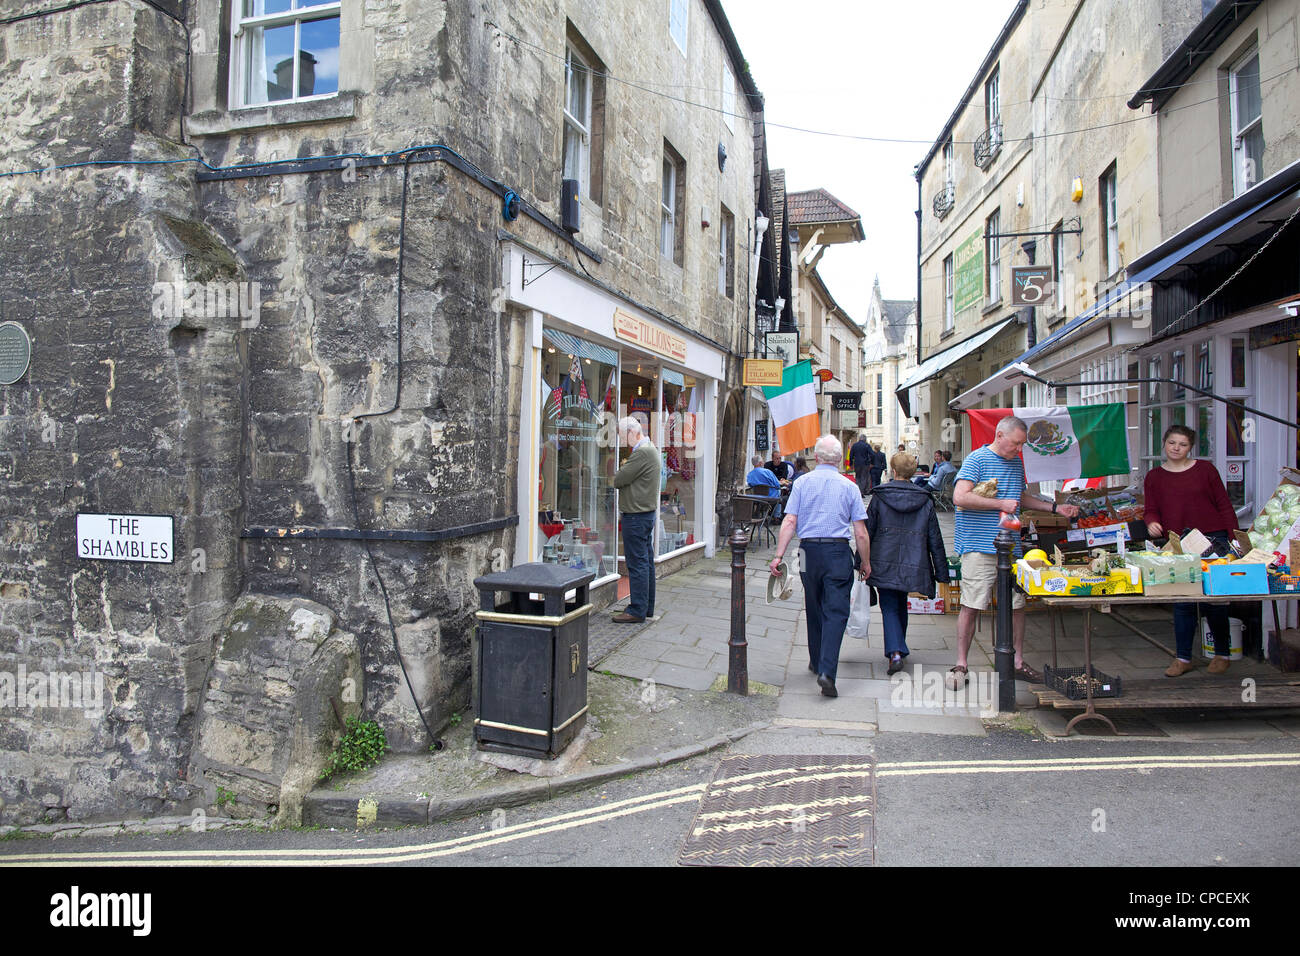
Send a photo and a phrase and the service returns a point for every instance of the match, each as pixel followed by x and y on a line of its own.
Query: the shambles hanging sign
pixel 126 538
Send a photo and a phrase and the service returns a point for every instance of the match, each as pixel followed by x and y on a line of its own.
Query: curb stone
pixel 341 812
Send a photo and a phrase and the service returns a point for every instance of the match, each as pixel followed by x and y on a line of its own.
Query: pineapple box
pixel 1039 578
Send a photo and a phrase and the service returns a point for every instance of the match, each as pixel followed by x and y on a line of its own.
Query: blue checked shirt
pixel 975 530
pixel 826 504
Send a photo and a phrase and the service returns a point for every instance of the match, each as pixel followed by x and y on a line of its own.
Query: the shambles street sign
pixel 146 538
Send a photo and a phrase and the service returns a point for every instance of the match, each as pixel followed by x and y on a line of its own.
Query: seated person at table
pixel 943 467
pixel 762 481
pixel 801 467
pixel 783 470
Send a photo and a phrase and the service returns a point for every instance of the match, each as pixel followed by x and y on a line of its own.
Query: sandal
pixel 957 678
pixel 1026 673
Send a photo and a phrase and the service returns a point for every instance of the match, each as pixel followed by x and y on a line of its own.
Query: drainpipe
pixel 917 172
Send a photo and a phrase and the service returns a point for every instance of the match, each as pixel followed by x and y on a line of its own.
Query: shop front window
pixel 681 419
pixel 579 454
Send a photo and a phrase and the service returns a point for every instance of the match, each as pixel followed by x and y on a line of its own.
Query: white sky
pixel 873 68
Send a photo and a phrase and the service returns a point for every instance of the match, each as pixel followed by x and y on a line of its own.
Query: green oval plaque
pixel 15 352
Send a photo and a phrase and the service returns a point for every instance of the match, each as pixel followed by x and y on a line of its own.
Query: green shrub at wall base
pixel 363 744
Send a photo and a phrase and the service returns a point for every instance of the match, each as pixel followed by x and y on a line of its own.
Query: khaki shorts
pixel 979 576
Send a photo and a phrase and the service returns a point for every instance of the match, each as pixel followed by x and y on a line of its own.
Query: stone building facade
pixel 300 301
pixel 1039 164
pixel 889 354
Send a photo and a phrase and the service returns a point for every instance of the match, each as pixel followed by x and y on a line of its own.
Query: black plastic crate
pixel 1058 679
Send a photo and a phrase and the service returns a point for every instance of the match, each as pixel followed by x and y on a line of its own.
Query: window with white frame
pixel 949 163
pixel 1246 108
pixel 993 256
pixel 677 17
pixel 728 96
pixel 726 270
pixel 1109 222
pixel 284 50
pixel 949 280
pixel 993 107
pixel 671 204
pixel 577 120
pixel 880 399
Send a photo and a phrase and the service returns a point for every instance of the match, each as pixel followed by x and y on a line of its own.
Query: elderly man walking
pixel 825 510
pixel 976 524
pixel 638 501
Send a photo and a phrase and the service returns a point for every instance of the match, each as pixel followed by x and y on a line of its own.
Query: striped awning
pixel 573 345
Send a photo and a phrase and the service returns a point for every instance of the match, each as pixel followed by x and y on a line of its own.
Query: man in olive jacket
pixel 638 501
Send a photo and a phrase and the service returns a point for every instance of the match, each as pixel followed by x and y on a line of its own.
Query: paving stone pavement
pixel 686 646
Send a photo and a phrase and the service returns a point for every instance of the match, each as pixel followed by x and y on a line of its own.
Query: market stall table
pixel 1283 690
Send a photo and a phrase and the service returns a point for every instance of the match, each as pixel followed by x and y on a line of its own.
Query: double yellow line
pixel 415 853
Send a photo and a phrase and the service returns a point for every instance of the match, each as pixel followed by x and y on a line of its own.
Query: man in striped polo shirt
pixel 976 523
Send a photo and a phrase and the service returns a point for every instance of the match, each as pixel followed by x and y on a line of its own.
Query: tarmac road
pixel 1008 799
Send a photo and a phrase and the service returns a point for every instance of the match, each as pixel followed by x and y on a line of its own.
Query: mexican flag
pixel 793 406
pixel 1064 441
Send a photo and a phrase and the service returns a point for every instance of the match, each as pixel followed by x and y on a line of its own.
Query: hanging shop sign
pixel 862 418
pixel 848 420
pixel 761 442
pixel 1030 285
pixel 846 402
pixel 15 352
pixel 783 346
pixel 117 537
pixel 762 372
pixel 639 332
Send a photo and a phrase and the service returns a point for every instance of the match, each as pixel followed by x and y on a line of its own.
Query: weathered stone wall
pixel 228 421
pixel 124 409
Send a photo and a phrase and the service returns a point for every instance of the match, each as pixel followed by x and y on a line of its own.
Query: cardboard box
pixel 1235 578
pixel 920 604
pixel 1038 578
pixel 1109 499
pixel 1044 520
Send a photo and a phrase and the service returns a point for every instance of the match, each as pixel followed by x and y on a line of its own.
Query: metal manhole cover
pixel 780 810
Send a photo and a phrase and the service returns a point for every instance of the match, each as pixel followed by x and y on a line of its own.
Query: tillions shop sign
pixel 148 538
pixel 630 328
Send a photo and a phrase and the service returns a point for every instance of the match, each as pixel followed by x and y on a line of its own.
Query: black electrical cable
pixel 352 481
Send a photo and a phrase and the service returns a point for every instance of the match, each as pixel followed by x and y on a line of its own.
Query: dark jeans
pixel 639 553
pixel 863 475
pixel 827 577
pixel 1185 628
pixel 893 613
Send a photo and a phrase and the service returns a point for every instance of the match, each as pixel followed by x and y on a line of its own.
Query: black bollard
pixel 737 647
pixel 1004 652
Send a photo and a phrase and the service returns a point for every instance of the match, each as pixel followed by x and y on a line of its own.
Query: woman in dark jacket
pixel 907 552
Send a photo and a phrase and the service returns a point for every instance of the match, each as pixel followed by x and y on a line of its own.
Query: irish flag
pixel 794 408
pixel 1064 441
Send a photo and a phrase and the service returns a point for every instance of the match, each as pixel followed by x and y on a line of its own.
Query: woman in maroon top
pixel 1183 493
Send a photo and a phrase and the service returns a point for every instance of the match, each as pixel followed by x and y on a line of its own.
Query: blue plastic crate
pixel 1235 578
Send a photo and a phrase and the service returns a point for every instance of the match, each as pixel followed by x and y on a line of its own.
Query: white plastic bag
pixel 859 610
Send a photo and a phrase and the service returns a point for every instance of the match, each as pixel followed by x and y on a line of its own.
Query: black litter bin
pixel 532 660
